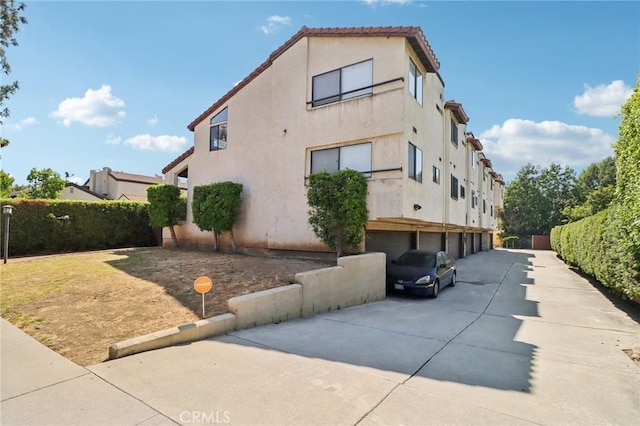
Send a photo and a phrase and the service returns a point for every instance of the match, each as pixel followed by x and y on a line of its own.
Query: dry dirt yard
pixel 80 304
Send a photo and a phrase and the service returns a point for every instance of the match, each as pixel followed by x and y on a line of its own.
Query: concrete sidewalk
pixel 520 340
pixel 40 387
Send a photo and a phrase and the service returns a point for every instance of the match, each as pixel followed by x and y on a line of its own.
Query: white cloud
pixel 97 108
pixel 25 122
pixel 113 139
pixel 602 100
pixel 516 142
pixel 274 23
pixel 375 3
pixel 76 179
pixel 147 142
pixel 152 121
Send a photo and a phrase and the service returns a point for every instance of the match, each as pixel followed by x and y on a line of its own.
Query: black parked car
pixel 421 272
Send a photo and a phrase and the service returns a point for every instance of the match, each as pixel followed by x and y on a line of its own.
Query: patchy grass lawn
pixel 80 304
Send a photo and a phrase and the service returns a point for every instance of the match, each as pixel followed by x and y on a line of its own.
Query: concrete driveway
pixel 520 340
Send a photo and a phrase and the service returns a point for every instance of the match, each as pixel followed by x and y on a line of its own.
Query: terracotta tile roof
pixel 474 141
pixel 414 36
pixel 458 111
pixel 177 161
pixel 485 160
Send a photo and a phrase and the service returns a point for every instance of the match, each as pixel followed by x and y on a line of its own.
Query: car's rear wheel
pixel 453 280
pixel 436 289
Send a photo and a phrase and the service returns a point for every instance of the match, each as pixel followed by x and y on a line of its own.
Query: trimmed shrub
pixel 58 226
pixel 599 245
pixel 216 208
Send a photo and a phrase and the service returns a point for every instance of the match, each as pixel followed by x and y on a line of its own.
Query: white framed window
pixel 474 199
pixel 218 131
pixel 474 159
pixel 356 157
pixel 415 162
pixel 344 83
pixel 415 82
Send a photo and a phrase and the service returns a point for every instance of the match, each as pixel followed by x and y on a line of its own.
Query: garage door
pixel 430 241
pixel 469 247
pixel 478 242
pixel 454 244
pixel 391 243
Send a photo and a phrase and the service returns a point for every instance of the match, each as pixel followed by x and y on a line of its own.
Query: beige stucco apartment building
pixel 369 99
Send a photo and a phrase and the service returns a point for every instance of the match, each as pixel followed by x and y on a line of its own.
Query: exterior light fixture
pixel 7 211
pixel 417 207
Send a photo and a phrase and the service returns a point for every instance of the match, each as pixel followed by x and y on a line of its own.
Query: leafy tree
pixel 216 208
pixel 6 182
pixel 536 200
pixel 522 214
pixel 10 19
pixel 594 176
pixel 558 187
pixel 595 190
pixel 338 203
pixel 166 208
pixel 45 183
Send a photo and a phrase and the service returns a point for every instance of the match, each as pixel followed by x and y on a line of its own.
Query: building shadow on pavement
pixel 467 335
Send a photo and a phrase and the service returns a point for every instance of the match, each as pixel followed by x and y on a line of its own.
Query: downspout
pixel 447 181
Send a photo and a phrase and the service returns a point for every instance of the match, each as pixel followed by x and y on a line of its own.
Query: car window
pixel 420 260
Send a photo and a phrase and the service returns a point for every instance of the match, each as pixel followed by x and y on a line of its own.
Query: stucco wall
pixel 272 130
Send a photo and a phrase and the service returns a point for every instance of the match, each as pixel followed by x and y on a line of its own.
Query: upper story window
pixel 462 191
pixel 218 131
pixel 474 159
pixel 435 175
pixel 474 199
pixel 492 184
pixel 344 83
pixel 454 132
pixel 415 82
pixel 415 162
pixel 484 206
pixel 454 187
pixel 356 157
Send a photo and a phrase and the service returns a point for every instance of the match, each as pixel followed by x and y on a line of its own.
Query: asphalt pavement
pixel 521 339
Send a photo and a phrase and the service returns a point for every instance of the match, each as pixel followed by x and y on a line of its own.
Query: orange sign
pixel 202 284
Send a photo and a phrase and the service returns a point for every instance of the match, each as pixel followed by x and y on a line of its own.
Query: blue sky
pixel 116 83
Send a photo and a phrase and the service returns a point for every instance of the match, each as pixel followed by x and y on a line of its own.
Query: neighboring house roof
pixel 458 111
pixel 130 177
pixel 177 161
pixel 132 197
pixel 414 36
pixel 85 189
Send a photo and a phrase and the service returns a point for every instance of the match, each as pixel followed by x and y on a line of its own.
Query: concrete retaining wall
pixel 191 332
pixel 356 280
pixel 267 306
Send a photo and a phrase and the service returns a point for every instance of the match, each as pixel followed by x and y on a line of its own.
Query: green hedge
pixel 600 246
pixel 57 226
